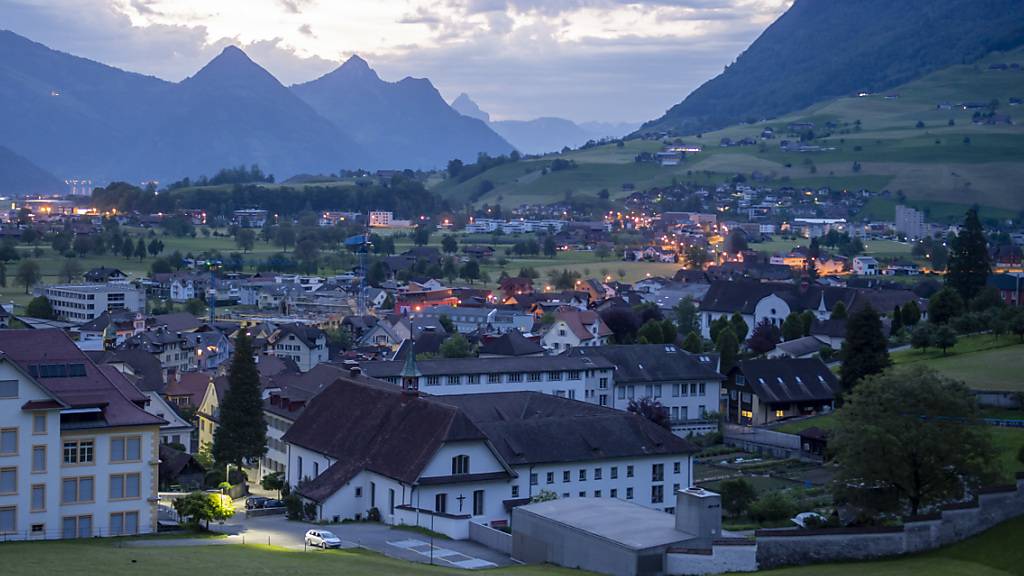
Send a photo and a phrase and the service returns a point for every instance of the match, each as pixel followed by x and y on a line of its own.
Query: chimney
pixel 699 512
pixel 355 371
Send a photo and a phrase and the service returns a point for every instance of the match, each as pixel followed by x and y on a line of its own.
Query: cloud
pixel 582 59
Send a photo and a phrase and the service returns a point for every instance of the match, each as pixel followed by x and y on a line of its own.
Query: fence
pixel 59 534
pixel 490 537
pixel 761 440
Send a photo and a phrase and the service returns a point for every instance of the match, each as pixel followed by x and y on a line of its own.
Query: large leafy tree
pixel 764 338
pixel 652 410
pixel 908 440
pixel 945 305
pixel 728 348
pixel 969 263
pixel 242 433
pixel 865 351
pixel 28 274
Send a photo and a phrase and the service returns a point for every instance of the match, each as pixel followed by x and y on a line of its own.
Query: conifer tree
pixel 969 263
pixel 865 351
pixel 242 433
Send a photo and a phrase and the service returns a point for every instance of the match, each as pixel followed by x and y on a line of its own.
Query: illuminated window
pixel 780 413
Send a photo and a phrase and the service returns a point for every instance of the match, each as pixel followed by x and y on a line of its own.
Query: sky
pixel 586 60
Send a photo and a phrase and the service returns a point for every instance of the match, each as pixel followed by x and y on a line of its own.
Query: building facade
pixel 84 302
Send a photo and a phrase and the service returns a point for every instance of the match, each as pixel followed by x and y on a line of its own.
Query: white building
pixel 575 328
pixel 306 345
pixel 865 266
pixel 379 219
pixel 78 453
pixel 443 462
pixel 177 430
pixel 84 302
pixel 910 222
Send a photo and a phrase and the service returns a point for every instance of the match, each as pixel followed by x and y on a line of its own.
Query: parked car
pixel 255 502
pixel 273 503
pixel 322 539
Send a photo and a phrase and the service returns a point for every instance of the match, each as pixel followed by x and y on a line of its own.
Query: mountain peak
pixel 465 105
pixel 232 67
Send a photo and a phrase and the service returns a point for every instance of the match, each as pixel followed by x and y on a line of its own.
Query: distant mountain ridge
pixel 72 116
pixel 822 49
pixel 545 134
pixel 19 176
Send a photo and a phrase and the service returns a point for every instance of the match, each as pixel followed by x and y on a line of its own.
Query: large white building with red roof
pixel 575 328
pixel 79 454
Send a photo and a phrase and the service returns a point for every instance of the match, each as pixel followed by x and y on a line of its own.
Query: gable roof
pixel 145 366
pixel 306 334
pixel 642 363
pixel 511 343
pixel 178 321
pixel 789 379
pixel 580 321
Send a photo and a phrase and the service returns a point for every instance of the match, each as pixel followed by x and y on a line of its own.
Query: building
pixel 865 266
pixel 488 320
pixel 575 328
pixel 175 352
pixel 84 302
pixel 1009 287
pixel 208 411
pixel 443 462
pixel 177 430
pixel 78 453
pixel 379 219
pixel 763 391
pixel 910 222
pixel 306 345
pixel 104 275
pixel 511 343
pixel 686 385
pixel 250 218
pixel 553 375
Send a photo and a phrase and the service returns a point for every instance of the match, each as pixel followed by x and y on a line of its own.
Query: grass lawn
pixel 984 362
pixel 824 421
pixel 104 557
pixel 988 554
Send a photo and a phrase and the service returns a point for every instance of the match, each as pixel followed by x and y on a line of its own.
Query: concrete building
pixel 865 266
pixel 381 219
pixel 910 222
pixel 489 320
pixel 78 453
pixel 84 302
pixel 250 218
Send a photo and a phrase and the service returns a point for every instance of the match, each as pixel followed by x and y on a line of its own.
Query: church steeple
pixel 410 372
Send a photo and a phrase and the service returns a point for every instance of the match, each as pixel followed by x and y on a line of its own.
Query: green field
pixel 109 558
pixel 933 166
pixel 984 362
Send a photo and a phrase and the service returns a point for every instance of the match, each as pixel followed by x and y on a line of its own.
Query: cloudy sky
pixel 608 60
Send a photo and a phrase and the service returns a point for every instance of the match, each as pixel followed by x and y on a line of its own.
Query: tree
pixel 160 266
pixel 693 344
pixel 245 239
pixel 912 436
pixel 945 338
pixel 651 333
pixel 737 495
pixel 772 507
pixel 739 326
pixel 806 322
pixel 284 236
pixel 28 274
pixel 897 322
pixel 838 311
pixel 736 242
pixel 470 271
pixel 728 348
pixel 652 410
pixel 449 244
pixel 242 434
pixel 70 269
pixel 623 323
pixel 969 262
pixel 39 307
pixel 921 337
pixel 456 346
pixel 669 332
pixel 199 507
pixel 446 322
pixel 273 481
pixel 421 237
pixel 945 305
pixel 865 350
pixel 764 338
pixel 911 313
pixel 717 325
pixel 550 250
pixel 195 307
pixel 602 252
pixel 140 249
pixel 687 316
pixel 792 327
pixel 155 247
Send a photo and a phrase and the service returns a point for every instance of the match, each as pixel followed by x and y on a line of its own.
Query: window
pixel 38 497
pixel 39 423
pixel 8 441
pixel 8 517
pixel 39 459
pixel 454 379
pixel 657 494
pixel 39 529
pixel 8 480
pixel 602 383
pixel 614 493
pixel 597 474
pixel 494 378
pixel 622 393
pixel 433 380
pixel 629 493
pixel 126 449
pixel 124 486
pixel 597 493
pixel 566 476
pixel 615 472
pixel 602 400
pixel 701 388
pixel 583 493
pixel 629 471
pixel 77 527
pixel 676 467
pixel 657 390
pixel 8 388
pixel 533 478
pixel 551 478
pixel 478 502
pixel 460 464
pixel 515 491
pixel 124 523
pixel 78 452
pixel 555 376
pixel 657 472
pixel 441 503
pixel 77 490
pixel 533 376
pixel 583 474
pixel 359 491
pixel 473 379
pixel 675 390
pixel 574 374
pixel 780 413
pixel 515 377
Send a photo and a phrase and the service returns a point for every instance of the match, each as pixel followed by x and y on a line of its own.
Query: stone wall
pixel 955 523
pixel 722 557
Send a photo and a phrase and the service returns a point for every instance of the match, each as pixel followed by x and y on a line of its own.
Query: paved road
pixel 402 544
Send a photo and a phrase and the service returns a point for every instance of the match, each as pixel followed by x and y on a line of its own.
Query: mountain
pixel 542 135
pixel 404 124
pixel 233 112
pixel 822 49
pixel 20 177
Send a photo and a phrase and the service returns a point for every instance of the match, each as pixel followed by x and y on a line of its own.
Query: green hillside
pixel 940 167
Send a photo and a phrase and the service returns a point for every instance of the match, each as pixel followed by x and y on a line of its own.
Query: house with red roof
pixel 574 328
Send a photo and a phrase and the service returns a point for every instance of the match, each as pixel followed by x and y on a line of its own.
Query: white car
pixel 322 539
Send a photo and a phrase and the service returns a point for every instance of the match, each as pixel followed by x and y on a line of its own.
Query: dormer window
pixel 460 464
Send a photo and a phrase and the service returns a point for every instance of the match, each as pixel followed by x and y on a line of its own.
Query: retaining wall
pixel 493 539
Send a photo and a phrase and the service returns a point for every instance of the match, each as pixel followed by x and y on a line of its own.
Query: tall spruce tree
pixel 865 351
pixel 728 350
pixel 242 433
pixel 969 263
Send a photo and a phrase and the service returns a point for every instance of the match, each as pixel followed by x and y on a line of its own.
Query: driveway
pixel 401 544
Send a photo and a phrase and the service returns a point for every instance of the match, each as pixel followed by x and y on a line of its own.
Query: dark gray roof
pixel 308 335
pixel 512 343
pixel 146 366
pixel 445 366
pixel 652 362
pixel 801 346
pixel 789 379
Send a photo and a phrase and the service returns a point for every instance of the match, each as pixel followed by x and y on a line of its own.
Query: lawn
pixel 108 558
pixel 988 554
pixel 984 362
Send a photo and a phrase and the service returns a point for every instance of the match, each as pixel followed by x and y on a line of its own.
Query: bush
pixel 373 514
pixel 293 505
pixel 737 495
pixel 772 507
